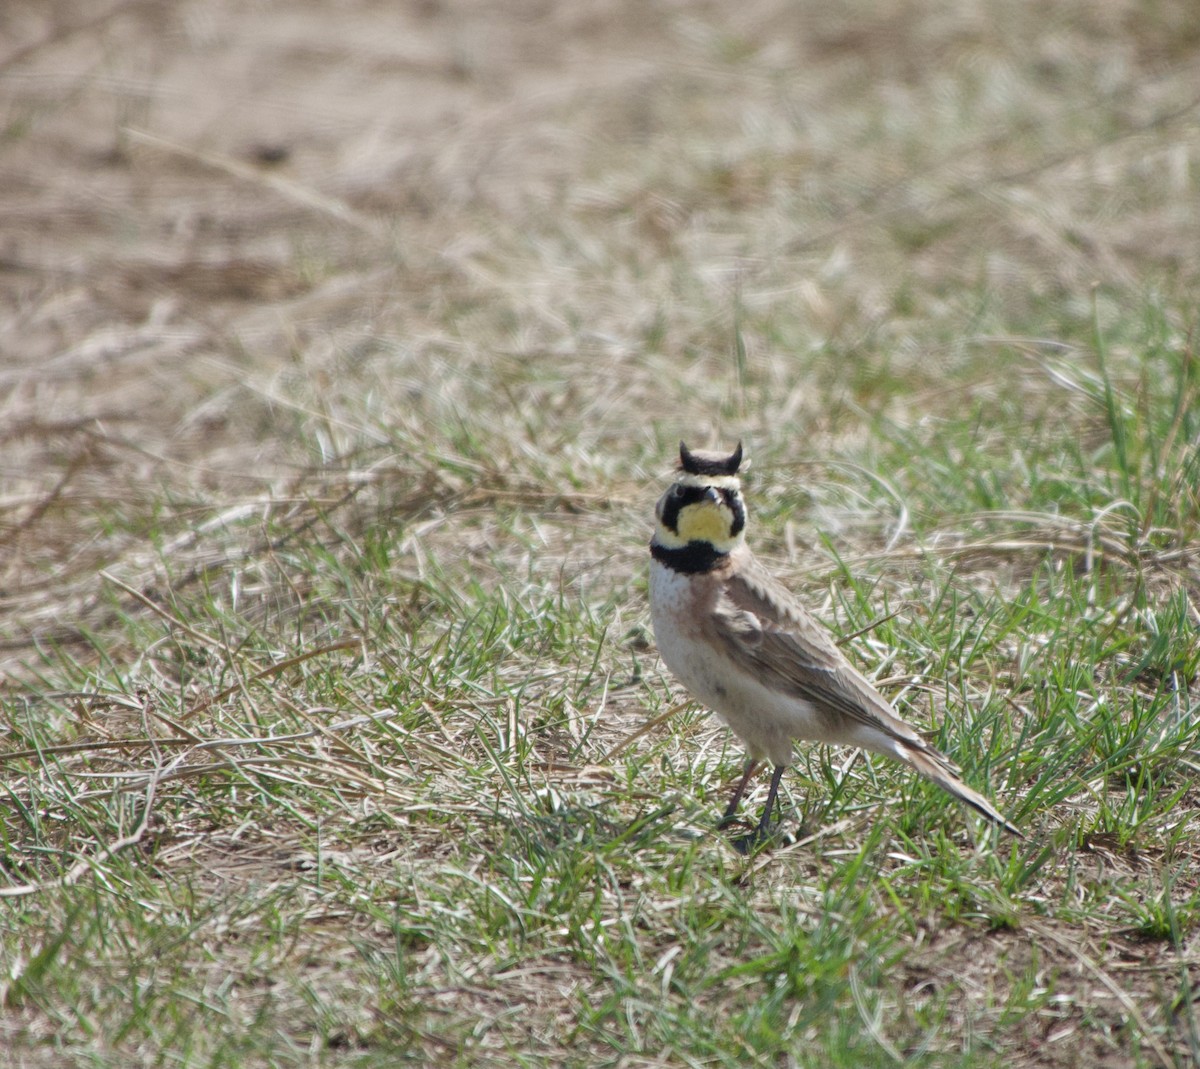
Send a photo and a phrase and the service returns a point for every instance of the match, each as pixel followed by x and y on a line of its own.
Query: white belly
pixel 764 719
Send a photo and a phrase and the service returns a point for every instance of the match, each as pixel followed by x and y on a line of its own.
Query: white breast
pixel 764 719
pixel 673 610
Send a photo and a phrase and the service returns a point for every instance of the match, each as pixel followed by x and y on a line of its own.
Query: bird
pixel 744 646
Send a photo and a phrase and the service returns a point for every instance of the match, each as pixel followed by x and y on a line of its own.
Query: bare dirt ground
pixel 202 200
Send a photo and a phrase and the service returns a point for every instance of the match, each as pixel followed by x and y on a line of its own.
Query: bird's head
pixel 704 504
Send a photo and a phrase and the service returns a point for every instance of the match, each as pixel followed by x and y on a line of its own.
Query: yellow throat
pixel 703 521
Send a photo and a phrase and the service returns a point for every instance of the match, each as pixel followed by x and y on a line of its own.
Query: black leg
pixel 744 844
pixel 764 824
pixel 735 801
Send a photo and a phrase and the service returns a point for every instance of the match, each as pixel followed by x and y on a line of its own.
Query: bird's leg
pixel 744 844
pixel 732 808
pixel 764 825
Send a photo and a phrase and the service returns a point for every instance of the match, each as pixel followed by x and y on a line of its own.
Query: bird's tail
pixel 926 760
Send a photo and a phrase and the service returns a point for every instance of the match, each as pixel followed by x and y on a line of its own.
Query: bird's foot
pixel 756 839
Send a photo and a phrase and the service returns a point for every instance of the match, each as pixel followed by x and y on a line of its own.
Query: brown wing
pixel 771 634
pixel 766 628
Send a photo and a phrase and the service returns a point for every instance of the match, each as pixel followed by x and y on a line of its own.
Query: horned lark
pixel 746 648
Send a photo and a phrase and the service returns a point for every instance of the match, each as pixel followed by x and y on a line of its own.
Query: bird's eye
pixel 676 491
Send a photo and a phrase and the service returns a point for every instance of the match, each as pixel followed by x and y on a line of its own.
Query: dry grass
pixel 344 350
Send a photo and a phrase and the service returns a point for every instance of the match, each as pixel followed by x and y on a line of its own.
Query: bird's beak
pixel 713 495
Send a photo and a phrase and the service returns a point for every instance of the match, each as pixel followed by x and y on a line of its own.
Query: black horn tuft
pixel 703 462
